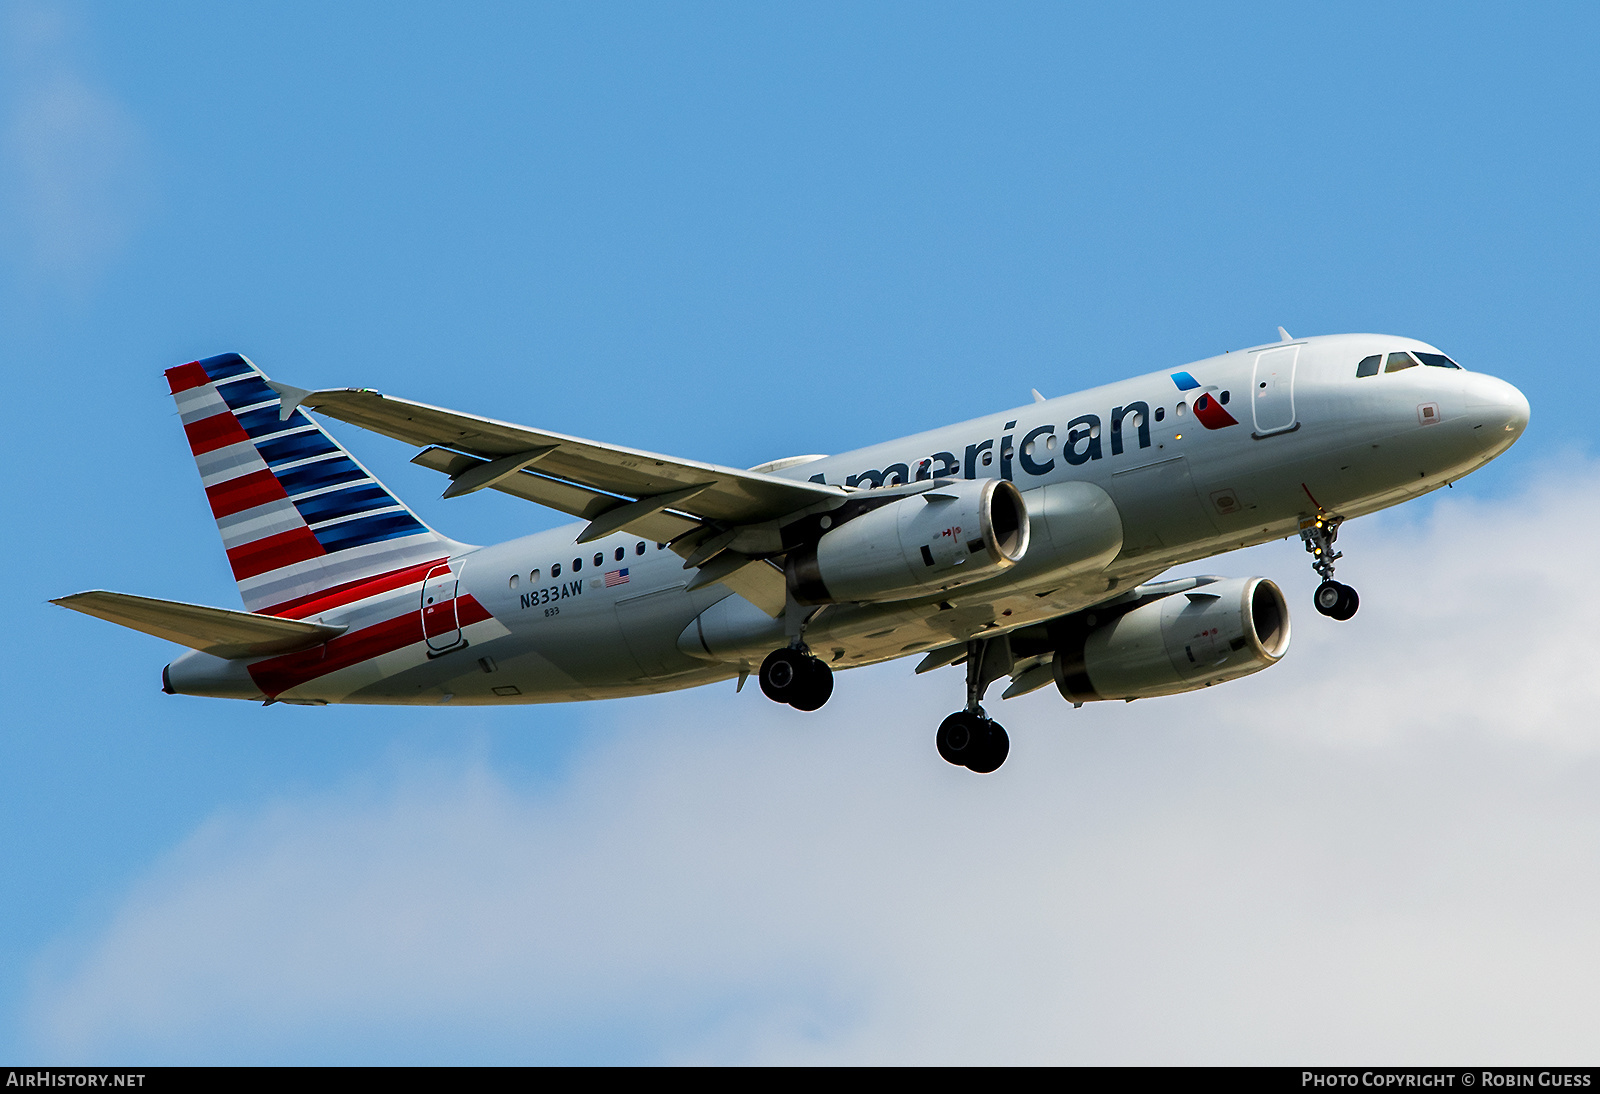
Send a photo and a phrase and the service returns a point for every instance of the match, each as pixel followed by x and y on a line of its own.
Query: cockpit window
pixel 1369 365
pixel 1398 361
pixel 1437 360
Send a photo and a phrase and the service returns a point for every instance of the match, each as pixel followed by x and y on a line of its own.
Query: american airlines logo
pixel 1207 410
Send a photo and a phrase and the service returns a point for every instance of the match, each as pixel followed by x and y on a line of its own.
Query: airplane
pixel 1025 544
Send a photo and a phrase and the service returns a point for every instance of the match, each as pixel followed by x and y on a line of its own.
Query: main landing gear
pixel 970 738
pixel 1332 598
pixel 795 677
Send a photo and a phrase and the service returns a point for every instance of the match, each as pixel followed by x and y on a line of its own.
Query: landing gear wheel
pixel 1336 600
pixel 1348 606
pixel 815 686
pixel 970 740
pixel 960 737
pixel 802 681
pixel 783 675
pixel 996 747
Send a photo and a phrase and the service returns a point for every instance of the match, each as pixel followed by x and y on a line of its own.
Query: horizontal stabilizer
pixel 217 631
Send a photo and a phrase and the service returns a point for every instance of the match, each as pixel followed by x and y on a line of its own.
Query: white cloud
pixel 1383 849
pixel 77 171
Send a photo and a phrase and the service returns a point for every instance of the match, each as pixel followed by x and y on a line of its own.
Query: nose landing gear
pixel 970 738
pixel 794 676
pixel 1332 599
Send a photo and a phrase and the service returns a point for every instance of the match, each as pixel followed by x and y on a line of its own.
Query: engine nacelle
pixel 1217 631
pixel 935 540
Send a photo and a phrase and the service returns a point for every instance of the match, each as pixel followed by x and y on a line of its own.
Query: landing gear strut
pixel 1332 599
pixel 970 738
pixel 794 676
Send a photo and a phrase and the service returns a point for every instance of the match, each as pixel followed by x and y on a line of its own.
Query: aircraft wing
pixel 690 504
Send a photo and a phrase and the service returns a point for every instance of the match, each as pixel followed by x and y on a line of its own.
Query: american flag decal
pixel 616 577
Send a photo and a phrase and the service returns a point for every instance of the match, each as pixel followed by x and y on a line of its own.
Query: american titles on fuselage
pixel 1036 453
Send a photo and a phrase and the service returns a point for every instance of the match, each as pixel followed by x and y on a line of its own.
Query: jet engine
pixel 934 540
pixel 1217 630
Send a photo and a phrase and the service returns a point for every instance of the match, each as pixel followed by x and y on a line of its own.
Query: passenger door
pixel 1272 391
pixel 440 625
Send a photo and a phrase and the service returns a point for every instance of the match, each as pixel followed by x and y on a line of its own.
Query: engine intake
pixel 935 540
pixel 1183 641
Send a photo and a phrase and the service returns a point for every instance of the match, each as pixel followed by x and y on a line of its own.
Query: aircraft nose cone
pixel 1498 402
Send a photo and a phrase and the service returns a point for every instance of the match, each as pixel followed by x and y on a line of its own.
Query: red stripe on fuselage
pixel 184 377
pixel 273 552
pixel 217 431
pixel 277 675
pixel 244 492
pixel 325 599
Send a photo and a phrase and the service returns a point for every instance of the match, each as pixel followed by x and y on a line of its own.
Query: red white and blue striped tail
pixel 300 518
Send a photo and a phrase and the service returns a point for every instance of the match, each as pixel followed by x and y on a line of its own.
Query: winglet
pixel 289 397
pixel 1285 335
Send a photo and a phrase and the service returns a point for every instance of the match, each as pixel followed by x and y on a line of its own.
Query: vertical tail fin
pixel 299 517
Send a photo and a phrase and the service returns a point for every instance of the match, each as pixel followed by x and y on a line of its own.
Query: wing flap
pixel 216 631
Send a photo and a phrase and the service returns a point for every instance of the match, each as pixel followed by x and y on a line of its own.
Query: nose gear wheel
pixel 1332 599
pixel 1336 600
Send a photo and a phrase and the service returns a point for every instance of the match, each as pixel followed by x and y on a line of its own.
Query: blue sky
pixel 737 232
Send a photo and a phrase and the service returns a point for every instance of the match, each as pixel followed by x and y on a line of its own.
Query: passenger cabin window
pixel 599 558
pixel 622 552
pixel 638 548
pixel 577 564
pixel 555 571
pixel 1161 413
pixel 533 575
pixel 1398 361
pixel 1437 360
pixel 515 579
pixel 1369 365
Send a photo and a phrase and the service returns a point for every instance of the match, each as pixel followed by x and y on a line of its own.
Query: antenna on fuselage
pixel 1036 396
pixel 1285 335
